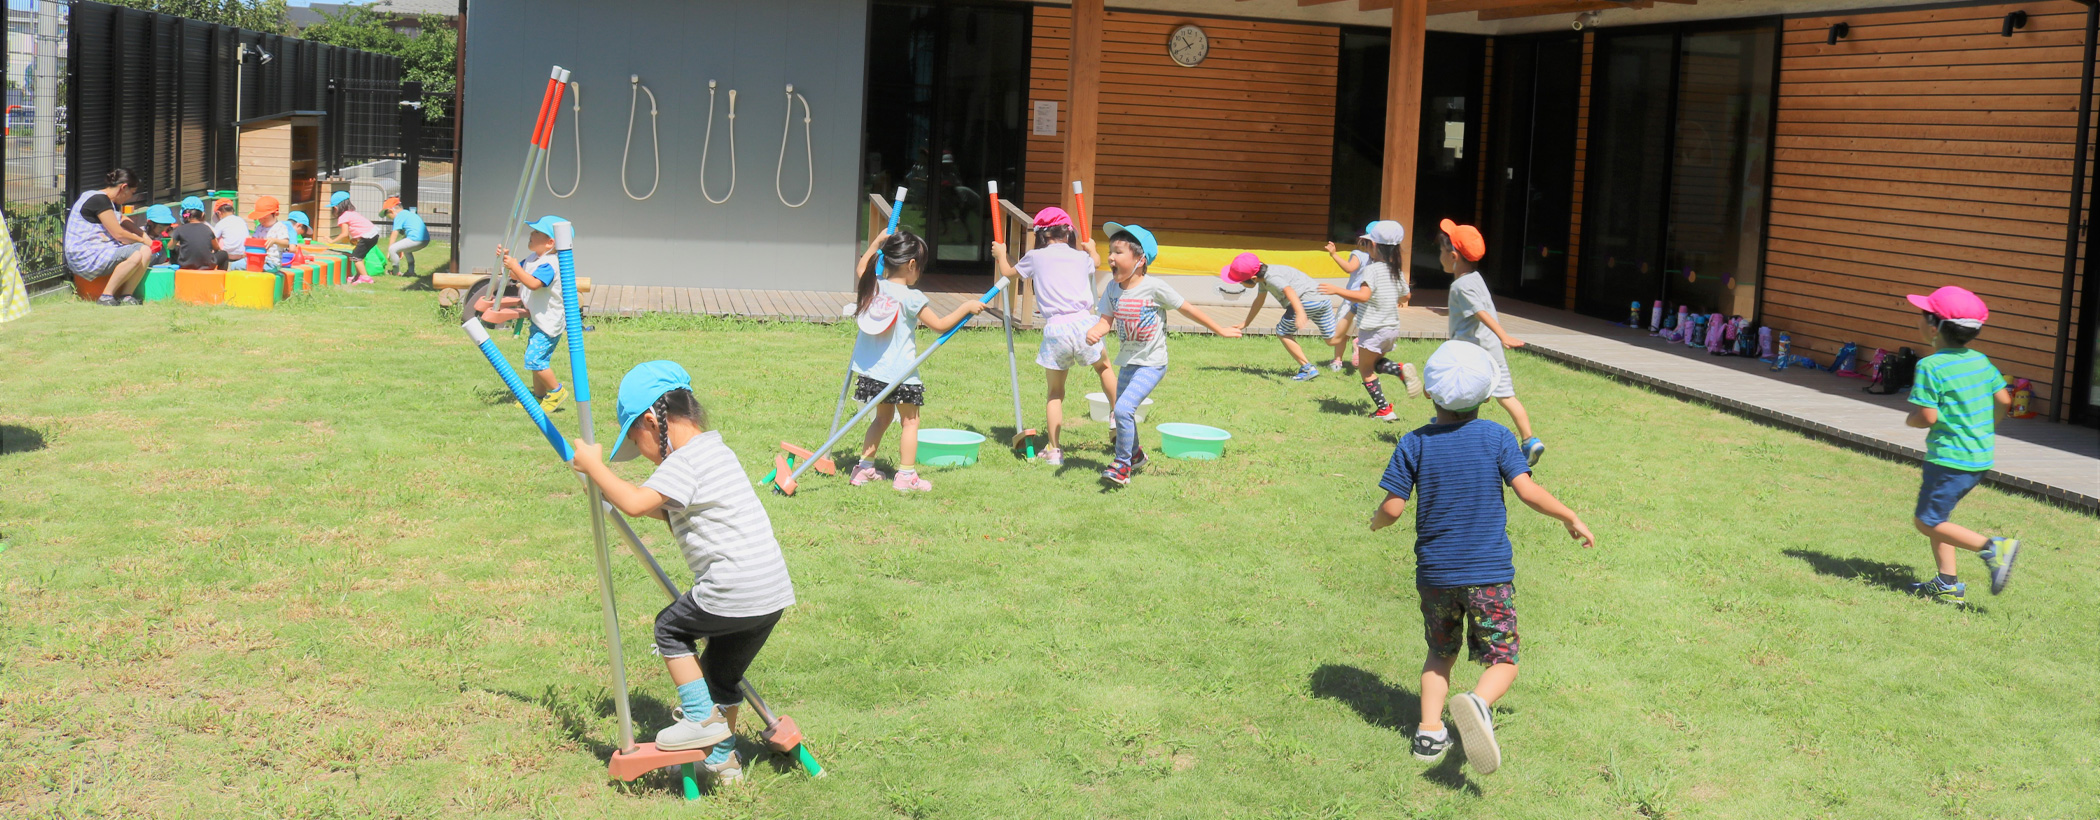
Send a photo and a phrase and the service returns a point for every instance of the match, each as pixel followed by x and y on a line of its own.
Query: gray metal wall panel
pixel 676 237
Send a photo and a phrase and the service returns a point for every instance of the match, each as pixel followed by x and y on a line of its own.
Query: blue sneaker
pixel 1534 449
pixel 1942 593
pixel 1998 558
pixel 1306 373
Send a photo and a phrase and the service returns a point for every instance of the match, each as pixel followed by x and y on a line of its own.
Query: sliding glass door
pixel 1531 165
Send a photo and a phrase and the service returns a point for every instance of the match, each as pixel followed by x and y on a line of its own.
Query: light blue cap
pixel 190 203
pixel 639 390
pixel 545 224
pixel 160 214
pixel 1144 238
pixel 337 199
pixel 300 217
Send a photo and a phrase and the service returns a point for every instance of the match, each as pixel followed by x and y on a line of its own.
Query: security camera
pixel 1587 19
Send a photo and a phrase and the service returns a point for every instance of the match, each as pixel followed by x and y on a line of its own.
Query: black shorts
pixel 732 643
pixel 364 246
pixel 866 389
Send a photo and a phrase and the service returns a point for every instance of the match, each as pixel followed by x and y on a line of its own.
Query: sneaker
pixel 866 472
pixel 106 300
pixel 692 734
pixel 1118 474
pixel 730 770
pixel 1534 449
pixel 1476 726
pixel 127 300
pixel 1335 365
pixel 1940 593
pixel 1054 457
pixel 1140 460
pixel 551 403
pixel 362 279
pixel 1412 378
pixel 1999 560
pixel 1429 748
pixel 1385 414
pixel 909 481
pixel 1306 372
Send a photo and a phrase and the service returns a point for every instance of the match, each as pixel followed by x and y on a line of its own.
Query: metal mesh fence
pixel 36 133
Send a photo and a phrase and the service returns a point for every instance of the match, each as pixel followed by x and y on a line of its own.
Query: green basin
pixel 1193 441
pixel 948 448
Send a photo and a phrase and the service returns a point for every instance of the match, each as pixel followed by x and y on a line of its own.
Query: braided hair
pixel 677 402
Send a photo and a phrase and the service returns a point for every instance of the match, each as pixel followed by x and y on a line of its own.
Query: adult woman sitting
pixel 99 243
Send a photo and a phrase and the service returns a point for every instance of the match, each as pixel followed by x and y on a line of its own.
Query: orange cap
pixel 1465 239
pixel 264 206
pixel 222 202
pixel 391 203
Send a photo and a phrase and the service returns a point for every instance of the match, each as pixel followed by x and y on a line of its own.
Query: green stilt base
pixel 692 781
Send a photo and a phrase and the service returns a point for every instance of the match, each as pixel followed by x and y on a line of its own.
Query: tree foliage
pixel 426 58
pixel 266 16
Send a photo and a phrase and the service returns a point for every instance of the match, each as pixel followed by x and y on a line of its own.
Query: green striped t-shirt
pixel 1960 384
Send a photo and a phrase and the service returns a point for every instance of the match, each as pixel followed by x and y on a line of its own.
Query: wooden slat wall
pixel 1243 143
pixel 1924 150
pixel 1582 153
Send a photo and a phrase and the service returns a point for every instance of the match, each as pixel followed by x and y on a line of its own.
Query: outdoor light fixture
pixel 1838 31
pixel 2017 19
pixel 1587 19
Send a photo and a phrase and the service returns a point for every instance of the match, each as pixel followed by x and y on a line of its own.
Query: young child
pixel 1062 268
pixel 160 221
pixel 196 246
pixel 351 225
pixel 1383 285
pixel 740 580
pixel 1464 567
pixel 410 234
pixel 889 311
pixel 232 232
pixel 1353 264
pixel 1294 291
pixel 280 235
pixel 1473 318
pixel 540 274
pixel 1131 306
pixel 1959 395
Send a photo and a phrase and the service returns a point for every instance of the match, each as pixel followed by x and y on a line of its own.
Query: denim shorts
pixel 1943 488
pixel 539 349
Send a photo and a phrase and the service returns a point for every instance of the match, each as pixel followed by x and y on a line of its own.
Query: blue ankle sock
pixel 1990 550
pixel 696 700
pixel 722 751
pixel 1946 580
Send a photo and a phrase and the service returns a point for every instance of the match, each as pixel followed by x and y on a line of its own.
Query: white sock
pixel 1440 734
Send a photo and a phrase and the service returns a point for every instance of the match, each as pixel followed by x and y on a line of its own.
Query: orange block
pixel 200 287
pixel 89 289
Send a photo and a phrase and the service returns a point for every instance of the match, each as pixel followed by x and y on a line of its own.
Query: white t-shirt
pixel 727 539
pixel 233 233
pixel 1383 311
pixel 1137 315
pixel 549 313
pixel 887 357
pixel 1064 281
pixel 1468 299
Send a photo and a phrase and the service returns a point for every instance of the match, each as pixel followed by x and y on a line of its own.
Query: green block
pixel 158 286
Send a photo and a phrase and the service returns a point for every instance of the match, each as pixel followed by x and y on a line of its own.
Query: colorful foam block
pixel 89 289
pixel 200 287
pixel 158 286
pixel 252 290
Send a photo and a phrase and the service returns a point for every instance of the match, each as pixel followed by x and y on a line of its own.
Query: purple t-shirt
pixel 1064 280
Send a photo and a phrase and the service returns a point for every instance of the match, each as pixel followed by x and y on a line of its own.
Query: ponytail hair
pixel 677 402
pixel 1056 233
pixel 902 248
pixel 120 176
pixel 1389 255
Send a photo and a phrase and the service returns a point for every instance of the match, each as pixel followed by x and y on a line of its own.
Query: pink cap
pixel 1242 268
pixel 1957 305
pixel 1052 216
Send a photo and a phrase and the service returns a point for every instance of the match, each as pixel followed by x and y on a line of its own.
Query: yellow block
pixel 1186 253
pixel 255 290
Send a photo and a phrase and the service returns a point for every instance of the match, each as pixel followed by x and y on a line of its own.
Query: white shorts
pixel 1505 387
pixel 1378 340
pixel 1064 346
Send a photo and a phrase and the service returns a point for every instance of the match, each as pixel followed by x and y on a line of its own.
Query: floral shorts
pixel 539 350
pixel 1484 617
pixel 866 389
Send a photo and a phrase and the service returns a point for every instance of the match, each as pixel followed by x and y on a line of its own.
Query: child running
pixel 1294 291
pixel 1959 395
pixel 1131 306
pixel 1063 271
pixel 889 311
pixel 540 274
pixel 1378 319
pixel 351 225
pixel 1464 568
pixel 1473 318
pixel 740 580
pixel 1353 265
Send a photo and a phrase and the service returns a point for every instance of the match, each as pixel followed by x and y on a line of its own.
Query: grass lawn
pixel 311 563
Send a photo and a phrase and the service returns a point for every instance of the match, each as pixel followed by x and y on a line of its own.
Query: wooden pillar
pixel 1403 118
pixel 1083 120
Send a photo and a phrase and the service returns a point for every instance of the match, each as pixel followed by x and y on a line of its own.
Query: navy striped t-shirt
pixel 1454 474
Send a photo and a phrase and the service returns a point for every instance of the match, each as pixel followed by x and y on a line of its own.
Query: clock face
pixel 1188 45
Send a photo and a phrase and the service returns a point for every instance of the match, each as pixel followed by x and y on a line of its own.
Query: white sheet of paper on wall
pixel 1045 118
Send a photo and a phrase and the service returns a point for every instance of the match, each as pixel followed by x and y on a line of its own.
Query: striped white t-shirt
pixel 727 538
pixel 1383 311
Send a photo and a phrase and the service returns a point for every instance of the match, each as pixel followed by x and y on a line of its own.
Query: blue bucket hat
pixel 160 214
pixel 1144 238
pixel 337 199
pixel 190 203
pixel 300 217
pixel 639 390
pixel 546 225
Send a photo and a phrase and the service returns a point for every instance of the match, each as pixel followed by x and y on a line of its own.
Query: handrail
pixel 1023 226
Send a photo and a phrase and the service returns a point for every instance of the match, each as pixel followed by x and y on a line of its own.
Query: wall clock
pixel 1188 45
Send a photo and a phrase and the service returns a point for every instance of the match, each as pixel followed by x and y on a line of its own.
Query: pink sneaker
pixel 909 481
pixel 865 472
pixel 362 279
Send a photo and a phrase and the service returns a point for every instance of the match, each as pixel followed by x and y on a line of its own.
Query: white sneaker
pixel 692 734
pixel 729 770
pixel 1476 729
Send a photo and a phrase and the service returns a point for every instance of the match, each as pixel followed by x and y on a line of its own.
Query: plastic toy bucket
pixel 1192 441
pixel 1099 409
pixel 948 448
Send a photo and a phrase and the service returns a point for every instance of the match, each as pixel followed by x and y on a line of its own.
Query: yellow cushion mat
pixel 1187 253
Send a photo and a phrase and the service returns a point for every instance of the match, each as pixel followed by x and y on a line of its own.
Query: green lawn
pixel 311 563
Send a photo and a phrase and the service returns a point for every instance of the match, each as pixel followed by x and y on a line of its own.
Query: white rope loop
pixel 575 121
pixel 707 139
pixel 787 121
pixel 634 96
